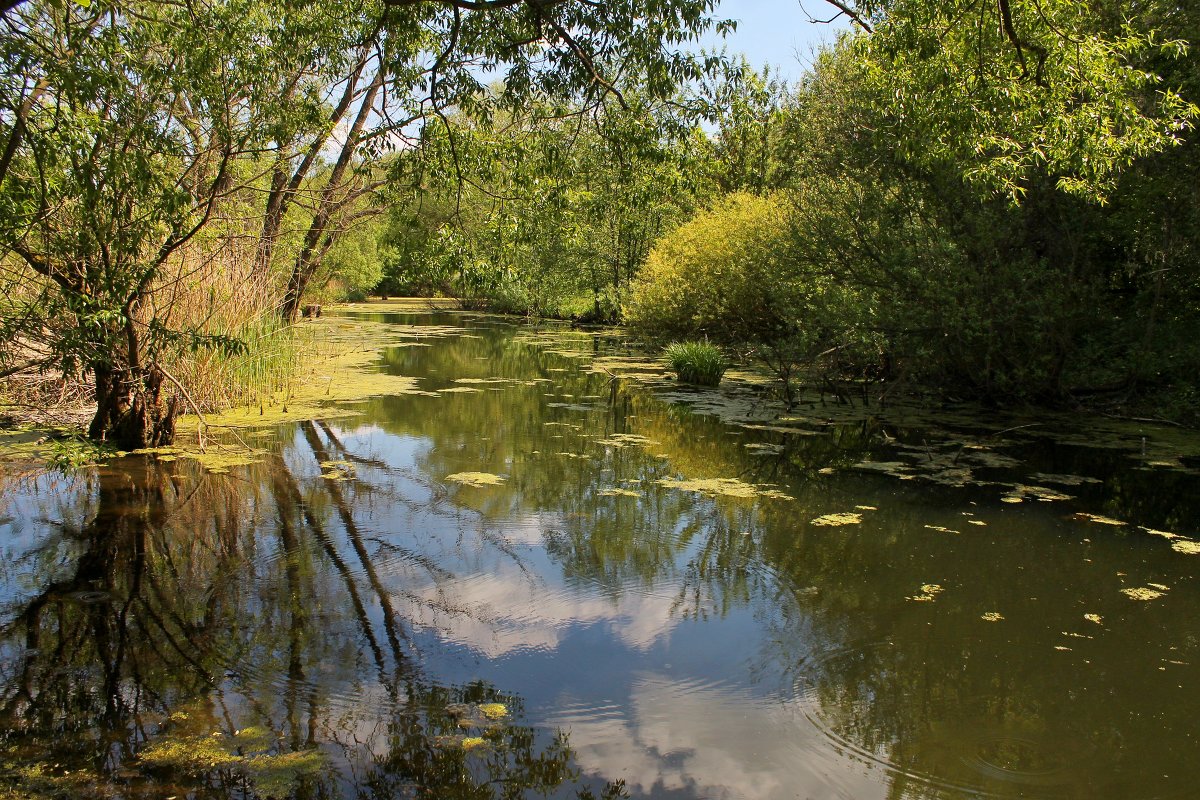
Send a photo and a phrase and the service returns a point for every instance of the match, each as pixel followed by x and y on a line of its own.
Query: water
pixel 167 631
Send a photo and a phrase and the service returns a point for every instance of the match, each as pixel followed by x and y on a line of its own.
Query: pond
pixel 545 569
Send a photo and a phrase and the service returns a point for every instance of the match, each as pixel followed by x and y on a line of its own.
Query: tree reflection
pixel 194 640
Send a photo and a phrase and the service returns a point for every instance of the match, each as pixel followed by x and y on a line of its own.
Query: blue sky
pixel 777 32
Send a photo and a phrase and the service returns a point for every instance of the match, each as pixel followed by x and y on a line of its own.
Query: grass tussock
pixel 700 363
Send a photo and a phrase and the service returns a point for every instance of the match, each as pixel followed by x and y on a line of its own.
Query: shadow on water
pixel 541 578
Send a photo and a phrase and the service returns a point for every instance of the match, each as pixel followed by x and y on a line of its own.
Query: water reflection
pixel 343 598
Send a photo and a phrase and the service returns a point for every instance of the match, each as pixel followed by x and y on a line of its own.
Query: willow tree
pixel 125 124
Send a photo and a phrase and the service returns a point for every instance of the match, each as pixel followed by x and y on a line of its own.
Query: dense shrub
pixel 719 274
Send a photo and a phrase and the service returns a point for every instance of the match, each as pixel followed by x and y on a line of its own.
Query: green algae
pixel 218 459
pixel 1142 593
pixel 625 440
pixel 477 479
pixel 319 392
pixel 276 776
pixel 620 493
pixel 493 711
pixel 1097 519
pixel 837 520
pixel 337 470
pixel 191 754
pixel 928 593
pixel 723 487
pixel 1022 492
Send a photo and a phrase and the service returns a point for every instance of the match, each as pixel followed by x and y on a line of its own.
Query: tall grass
pixel 700 363
pixel 236 349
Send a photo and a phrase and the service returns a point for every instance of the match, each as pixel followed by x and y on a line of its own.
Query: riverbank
pixel 341 348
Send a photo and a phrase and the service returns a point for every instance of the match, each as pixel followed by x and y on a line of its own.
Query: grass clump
pixel 700 363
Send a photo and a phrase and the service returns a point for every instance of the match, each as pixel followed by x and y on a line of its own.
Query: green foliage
pixel 700 363
pixel 72 452
pixel 718 274
pixel 1028 89
pixel 535 209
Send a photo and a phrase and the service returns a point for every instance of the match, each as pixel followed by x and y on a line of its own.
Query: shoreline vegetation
pixel 331 365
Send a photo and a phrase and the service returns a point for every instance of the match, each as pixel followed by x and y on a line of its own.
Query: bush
pixel 696 362
pixel 717 275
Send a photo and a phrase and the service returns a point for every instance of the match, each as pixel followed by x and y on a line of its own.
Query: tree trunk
pixel 130 410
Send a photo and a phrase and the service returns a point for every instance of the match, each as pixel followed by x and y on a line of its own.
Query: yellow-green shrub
pixel 718 274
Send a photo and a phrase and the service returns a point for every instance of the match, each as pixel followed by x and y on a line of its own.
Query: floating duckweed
pixel 1142 593
pixel 276 777
pixel 1098 519
pixel 1061 647
pixel 471 742
pixel 1064 480
pixel 625 440
pixel 833 520
pixel 494 710
pixel 1012 498
pixel 1186 546
pixel 929 593
pixel 1163 534
pixel 459 390
pixel 725 487
pixel 337 470
pixel 942 529
pixel 763 448
pixel 217 460
pixel 189 753
pixel 478 479
pixel 313 394
pixel 866 508
pixel 1096 618
pixel 976 522
pixel 620 493
pixel 1159 586
pixel 1023 492
pixel 991 616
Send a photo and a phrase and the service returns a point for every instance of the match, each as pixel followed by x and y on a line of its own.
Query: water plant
pixel 700 363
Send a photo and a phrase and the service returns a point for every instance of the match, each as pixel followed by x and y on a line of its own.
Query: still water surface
pixel 592 624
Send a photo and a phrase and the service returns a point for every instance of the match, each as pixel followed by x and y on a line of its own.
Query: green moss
pixel 277 776
pixel 190 754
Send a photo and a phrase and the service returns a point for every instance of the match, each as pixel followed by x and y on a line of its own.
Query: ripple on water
pixel 982 759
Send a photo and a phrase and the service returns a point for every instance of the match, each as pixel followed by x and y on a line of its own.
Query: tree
pixel 1023 88
pixel 126 125
pixel 123 143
